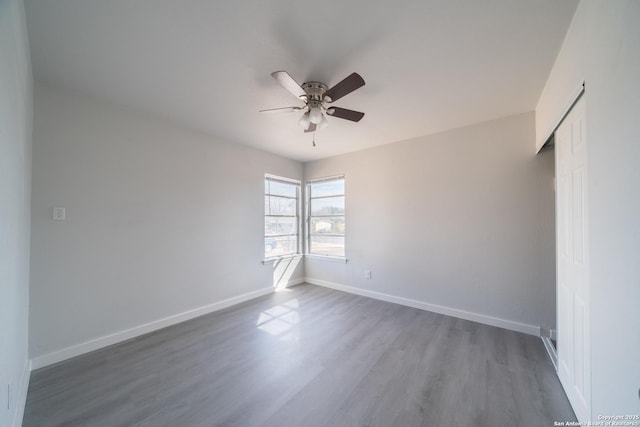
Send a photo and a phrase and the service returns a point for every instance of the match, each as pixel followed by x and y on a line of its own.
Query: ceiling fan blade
pixel 345 87
pixel 289 84
pixel 343 113
pixel 282 110
pixel 311 128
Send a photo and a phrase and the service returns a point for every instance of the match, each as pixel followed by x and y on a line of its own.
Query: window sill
pixel 328 258
pixel 280 258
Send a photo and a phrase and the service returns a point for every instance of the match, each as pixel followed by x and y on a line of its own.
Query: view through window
pixel 281 216
pixel 326 216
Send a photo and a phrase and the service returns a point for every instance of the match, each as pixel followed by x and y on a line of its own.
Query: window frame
pixel 309 216
pixel 298 215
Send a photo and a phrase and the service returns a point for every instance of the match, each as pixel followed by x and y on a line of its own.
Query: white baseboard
pixel 454 312
pixel 551 350
pixel 107 340
pixel 21 397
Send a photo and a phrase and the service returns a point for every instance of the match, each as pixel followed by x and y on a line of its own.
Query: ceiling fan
pixel 315 96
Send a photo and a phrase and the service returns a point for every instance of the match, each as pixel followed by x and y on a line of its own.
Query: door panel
pixel 574 367
pixel 578 216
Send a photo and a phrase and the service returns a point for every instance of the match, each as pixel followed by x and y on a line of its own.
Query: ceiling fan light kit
pixel 305 120
pixel 315 95
pixel 323 123
pixel 315 115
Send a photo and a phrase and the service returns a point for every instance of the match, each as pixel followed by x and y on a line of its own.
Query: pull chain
pixel 314 139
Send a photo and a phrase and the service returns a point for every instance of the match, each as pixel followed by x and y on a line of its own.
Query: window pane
pixel 280 225
pixel 327 225
pixel 281 217
pixel 327 245
pixel 279 206
pixel 328 206
pixel 281 188
pixel 329 188
pixel 278 246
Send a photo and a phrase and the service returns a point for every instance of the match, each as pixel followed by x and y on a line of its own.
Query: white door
pixel 574 361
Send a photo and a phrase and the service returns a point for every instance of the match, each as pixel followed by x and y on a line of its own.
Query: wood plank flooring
pixel 308 356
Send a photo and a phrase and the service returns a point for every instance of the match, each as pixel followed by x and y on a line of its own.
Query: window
pixel 281 216
pixel 325 211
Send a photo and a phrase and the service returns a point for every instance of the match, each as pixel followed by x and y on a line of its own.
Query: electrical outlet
pixel 58 214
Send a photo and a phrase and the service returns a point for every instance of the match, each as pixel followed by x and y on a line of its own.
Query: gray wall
pixel 160 220
pixel 603 48
pixel 462 219
pixel 15 199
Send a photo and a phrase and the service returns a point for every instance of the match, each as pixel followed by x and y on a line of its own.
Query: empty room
pixel 345 213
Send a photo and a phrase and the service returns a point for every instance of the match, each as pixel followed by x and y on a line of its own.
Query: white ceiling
pixel 429 65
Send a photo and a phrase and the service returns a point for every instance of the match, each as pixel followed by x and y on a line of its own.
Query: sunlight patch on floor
pixel 281 321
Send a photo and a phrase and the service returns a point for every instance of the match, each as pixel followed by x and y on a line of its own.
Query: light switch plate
pixel 59 214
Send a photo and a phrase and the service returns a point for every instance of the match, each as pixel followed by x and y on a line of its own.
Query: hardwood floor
pixel 308 356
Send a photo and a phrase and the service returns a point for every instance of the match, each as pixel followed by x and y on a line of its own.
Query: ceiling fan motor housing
pixel 315 93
